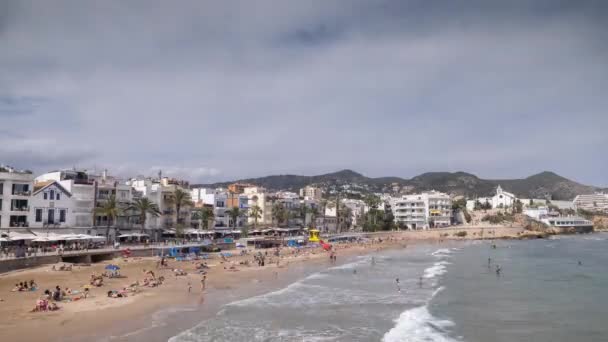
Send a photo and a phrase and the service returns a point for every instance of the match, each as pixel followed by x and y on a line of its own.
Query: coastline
pixel 118 319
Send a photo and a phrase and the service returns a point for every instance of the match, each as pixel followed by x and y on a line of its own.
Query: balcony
pixel 22 193
pixel 19 205
pixel 103 196
pixel 18 221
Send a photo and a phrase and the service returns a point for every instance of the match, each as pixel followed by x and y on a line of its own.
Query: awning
pixel 20 236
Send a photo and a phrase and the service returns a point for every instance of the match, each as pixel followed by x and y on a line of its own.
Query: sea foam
pixel 418 324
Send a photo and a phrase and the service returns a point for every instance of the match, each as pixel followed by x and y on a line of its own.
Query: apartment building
pixel 312 193
pixel 161 192
pixel 422 211
pixel 595 202
pixel 15 194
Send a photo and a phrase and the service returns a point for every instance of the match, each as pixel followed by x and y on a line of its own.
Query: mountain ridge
pixel 545 184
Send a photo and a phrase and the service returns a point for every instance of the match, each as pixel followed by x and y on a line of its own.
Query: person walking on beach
pixel 203 281
pixel 420 282
pixel 398 286
pixel 189 287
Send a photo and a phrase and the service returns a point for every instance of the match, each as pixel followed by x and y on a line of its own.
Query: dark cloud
pixel 219 90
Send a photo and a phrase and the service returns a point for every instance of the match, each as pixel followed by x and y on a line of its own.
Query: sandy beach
pixel 99 314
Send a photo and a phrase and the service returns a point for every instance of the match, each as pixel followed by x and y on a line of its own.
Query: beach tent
pixel 112 267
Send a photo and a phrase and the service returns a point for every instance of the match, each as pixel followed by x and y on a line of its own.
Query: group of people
pixel 25 286
pixel 63 267
pixel 332 256
pixel 96 280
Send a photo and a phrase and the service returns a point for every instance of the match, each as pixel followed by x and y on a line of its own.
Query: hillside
pixel 543 185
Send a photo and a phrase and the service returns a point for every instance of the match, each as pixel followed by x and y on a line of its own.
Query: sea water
pixel 442 294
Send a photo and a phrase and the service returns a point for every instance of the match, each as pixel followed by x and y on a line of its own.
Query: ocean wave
pixel 418 324
pixel 437 269
pixel 442 252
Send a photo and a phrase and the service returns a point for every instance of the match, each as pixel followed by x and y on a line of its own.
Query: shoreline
pixel 119 319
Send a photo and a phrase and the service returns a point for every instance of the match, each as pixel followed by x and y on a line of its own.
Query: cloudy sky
pixel 216 90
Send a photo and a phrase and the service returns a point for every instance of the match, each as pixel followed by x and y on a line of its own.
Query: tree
pixel 279 213
pixel 323 206
pixel 518 207
pixel 180 199
pixel 459 204
pixel 478 205
pixel 346 213
pixel 143 206
pixel 255 213
pixel 304 209
pixel 110 209
pixel 314 212
pixel 234 213
pixel 205 214
pixel 372 202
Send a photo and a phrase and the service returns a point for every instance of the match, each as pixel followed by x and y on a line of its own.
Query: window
pixel 38 215
pixel 51 216
pixel 45 195
pixel 52 195
pixel 1 188
pixel 62 215
pixel 57 197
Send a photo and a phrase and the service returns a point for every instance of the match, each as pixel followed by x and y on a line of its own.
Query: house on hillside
pixel 502 199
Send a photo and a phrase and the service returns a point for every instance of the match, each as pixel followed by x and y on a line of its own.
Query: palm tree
pixel 110 209
pixel 278 213
pixel 180 199
pixel 304 209
pixel 144 206
pixel 256 213
pixel 314 212
pixel 345 212
pixel 372 202
pixel 205 214
pixel 234 214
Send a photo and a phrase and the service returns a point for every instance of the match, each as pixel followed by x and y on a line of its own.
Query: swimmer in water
pixel 398 287
pixel 580 263
pixel 498 270
pixel 420 282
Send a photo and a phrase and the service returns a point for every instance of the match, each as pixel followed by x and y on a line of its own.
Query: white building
pixel 423 211
pixel 52 207
pixel 568 222
pixel 502 199
pixel 536 213
pixel 15 193
pixel 82 191
pixel 161 192
pixel 257 196
pixel 311 192
pixel 595 202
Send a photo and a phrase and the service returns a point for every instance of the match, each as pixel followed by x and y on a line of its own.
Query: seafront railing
pixel 7 254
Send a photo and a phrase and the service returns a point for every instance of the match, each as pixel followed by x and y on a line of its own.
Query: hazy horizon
pixel 214 92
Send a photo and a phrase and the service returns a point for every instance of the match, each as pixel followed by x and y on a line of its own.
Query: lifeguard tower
pixel 313 235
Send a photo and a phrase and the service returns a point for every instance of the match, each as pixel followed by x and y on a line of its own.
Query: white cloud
pixel 386 88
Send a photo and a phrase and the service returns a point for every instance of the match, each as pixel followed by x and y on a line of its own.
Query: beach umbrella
pixel 112 267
